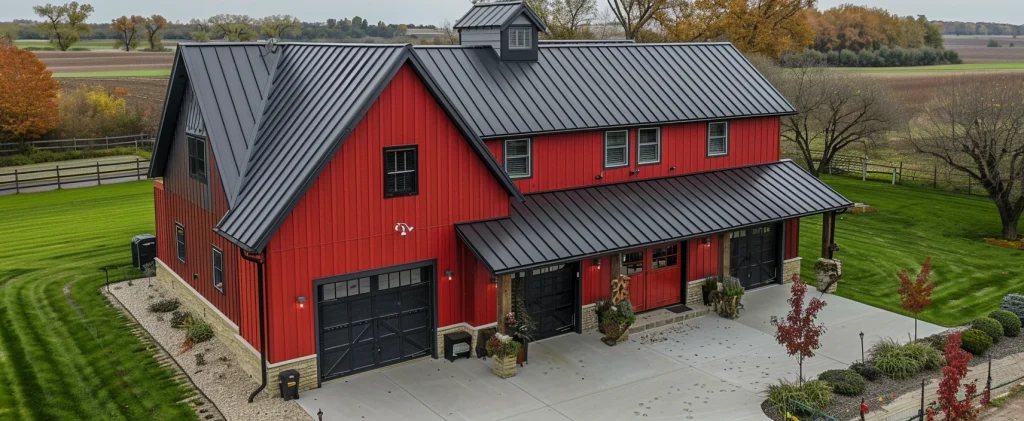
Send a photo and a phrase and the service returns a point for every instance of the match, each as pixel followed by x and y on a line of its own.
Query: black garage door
pixel 754 256
pixel 551 298
pixel 374 320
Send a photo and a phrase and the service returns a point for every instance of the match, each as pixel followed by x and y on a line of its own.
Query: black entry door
pixel 754 256
pixel 550 295
pixel 372 321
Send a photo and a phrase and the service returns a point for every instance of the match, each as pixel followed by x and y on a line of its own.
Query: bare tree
pixel 449 36
pixel 634 15
pixel 836 110
pixel 566 19
pixel 976 126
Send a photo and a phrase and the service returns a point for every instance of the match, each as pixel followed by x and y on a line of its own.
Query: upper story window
pixel 648 146
pixel 197 157
pixel 519 38
pixel 401 171
pixel 179 238
pixel 518 158
pixel 616 149
pixel 218 269
pixel 718 138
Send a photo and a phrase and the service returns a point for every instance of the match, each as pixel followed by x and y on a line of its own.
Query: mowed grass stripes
pixel 911 224
pixel 65 353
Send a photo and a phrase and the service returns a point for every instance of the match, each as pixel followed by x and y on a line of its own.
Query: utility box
pixel 143 250
pixel 289 383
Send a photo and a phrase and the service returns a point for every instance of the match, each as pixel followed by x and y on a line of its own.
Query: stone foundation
pixel 227 332
pixel 589 317
pixel 461 327
pixel 694 296
pixel 790 267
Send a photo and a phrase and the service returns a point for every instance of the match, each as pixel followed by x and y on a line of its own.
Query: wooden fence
pixel 136 141
pixel 18 181
pixel 901 173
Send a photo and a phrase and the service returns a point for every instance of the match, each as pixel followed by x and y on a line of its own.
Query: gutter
pixel 260 262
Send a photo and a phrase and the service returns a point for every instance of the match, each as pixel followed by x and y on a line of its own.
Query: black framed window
pixel 718 138
pixel 197 157
pixel 616 149
pixel 179 238
pixel 401 171
pixel 218 269
pixel 518 158
pixel 633 262
pixel 648 146
pixel 519 38
pixel 664 257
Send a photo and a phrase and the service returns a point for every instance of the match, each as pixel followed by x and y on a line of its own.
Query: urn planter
pixel 504 367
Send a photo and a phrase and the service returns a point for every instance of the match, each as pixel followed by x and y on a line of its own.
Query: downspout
pixel 263 331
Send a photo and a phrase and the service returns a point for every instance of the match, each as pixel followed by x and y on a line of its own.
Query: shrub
pixel 814 393
pixel 844 382
pixel 1014 303
pixel 1011 323
pixel 501 346
pixel 866 371
pixel 975 341
pixel 164 306
pixel 928 357
pixel 898 366
pixel 883 348
pixel 990 326
pixel 936 341
pixel 200 359
pixel 197 331
pixel 993 44
pixel 180 318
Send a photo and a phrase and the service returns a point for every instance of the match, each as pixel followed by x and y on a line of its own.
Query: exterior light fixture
pixel 449 274
pixel 494 279
pixel 597 262
pixel 302 301
pixel 707 241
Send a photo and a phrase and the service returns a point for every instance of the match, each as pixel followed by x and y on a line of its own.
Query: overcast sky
pixel 436 11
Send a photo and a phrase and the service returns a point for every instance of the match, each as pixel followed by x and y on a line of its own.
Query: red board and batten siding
pixel 792 238
pixel 344 224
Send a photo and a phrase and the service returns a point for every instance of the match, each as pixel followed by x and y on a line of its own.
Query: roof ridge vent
pixel 272 45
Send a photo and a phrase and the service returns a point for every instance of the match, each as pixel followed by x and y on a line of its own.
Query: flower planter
pixel 705 296
pixel 523 352
pixel 504 367
pixel 615 333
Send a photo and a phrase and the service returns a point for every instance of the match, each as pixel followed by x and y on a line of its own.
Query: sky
pixel 436 11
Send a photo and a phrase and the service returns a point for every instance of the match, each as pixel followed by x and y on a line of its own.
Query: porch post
pixel 828 233
pixel 615 266
pixel 504 299
pixel 724 266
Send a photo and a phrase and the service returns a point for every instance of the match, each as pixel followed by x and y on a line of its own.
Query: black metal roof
pixel 589 86
pixel 568 225
pixel 497 15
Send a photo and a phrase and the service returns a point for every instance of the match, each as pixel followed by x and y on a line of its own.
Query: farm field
pixel 944 68
pixel 911 224
pixel 974 48
pixel 91 44
pixel 116 73
pixel 65 353
pixel 64 62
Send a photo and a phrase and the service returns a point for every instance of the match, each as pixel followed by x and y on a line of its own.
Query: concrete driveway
pixel 704 369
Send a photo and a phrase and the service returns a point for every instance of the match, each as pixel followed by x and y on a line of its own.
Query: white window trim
pixel 528 38
pixel 625 162
pixel 213 269
pixel 657 160
pixel 528 156
pixel 708 143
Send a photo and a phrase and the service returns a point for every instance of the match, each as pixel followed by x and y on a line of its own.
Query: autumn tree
pixel 799 332
pixel 8 34
pixel 916 294
pixel 64 24
pixel 953 374
pixel 976 127
pixel 836 110
pixel 233 27
pixel 566 19
pixel 127 28
pixel 280 26
pixel 154 25
pixel 766 27
pixel 28 96
pixel 855 28
pixel 634 15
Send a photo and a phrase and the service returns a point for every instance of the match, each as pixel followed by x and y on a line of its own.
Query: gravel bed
pixel 220 378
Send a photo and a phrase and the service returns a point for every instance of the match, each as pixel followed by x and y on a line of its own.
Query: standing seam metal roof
pixel 568 225
pixel 497 15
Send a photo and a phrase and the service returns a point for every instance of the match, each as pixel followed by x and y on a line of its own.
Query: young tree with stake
pixel 953 374
pixel 799 332
pixel 916 294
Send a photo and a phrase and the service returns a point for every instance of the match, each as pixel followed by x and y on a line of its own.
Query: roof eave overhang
pixel 169 116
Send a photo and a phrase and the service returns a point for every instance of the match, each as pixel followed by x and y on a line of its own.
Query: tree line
pixel 981 28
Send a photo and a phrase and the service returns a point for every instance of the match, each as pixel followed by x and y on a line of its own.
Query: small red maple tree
pixel 799 332
pixel 953 374
pixel 917 294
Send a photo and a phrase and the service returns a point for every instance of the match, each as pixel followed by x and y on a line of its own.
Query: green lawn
pixel 940 68
pixel 69 355
pixel 912 224
pixel 91 44
pixel 119 73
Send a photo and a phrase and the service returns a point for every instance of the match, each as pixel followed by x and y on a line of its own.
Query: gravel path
pixel 220 378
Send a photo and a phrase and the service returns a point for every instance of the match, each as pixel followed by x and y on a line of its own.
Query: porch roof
pixel 567 225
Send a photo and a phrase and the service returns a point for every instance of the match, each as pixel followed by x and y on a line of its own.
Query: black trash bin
pixel 143 250
pixel 289 384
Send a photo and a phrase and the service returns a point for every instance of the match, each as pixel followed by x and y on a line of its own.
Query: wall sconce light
pixel 597 263
pixel 707 241
pixel 195 276
pixel 494 279
pixel 672 168
pixel 449 274
pixel 302 301
pixel 598 177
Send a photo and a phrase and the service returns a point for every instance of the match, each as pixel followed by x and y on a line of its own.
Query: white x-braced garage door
pixel 370 321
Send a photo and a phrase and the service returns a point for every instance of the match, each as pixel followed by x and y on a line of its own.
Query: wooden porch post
pixel 724 266
pixel 615 268
pixel 504 299
pixel 828 232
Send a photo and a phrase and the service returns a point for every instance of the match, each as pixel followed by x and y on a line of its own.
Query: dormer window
pixel 519 38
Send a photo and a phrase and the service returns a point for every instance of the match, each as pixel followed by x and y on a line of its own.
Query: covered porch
pixel 666 234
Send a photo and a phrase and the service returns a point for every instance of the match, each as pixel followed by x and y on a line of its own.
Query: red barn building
pixel 337 208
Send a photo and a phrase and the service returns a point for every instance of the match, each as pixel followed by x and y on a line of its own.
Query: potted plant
pixel 710 284
pixel 503 351
pixel 615 321
pixel 726 301
pixel 520 327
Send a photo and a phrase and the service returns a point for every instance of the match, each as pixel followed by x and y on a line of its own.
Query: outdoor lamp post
pixel 862 347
